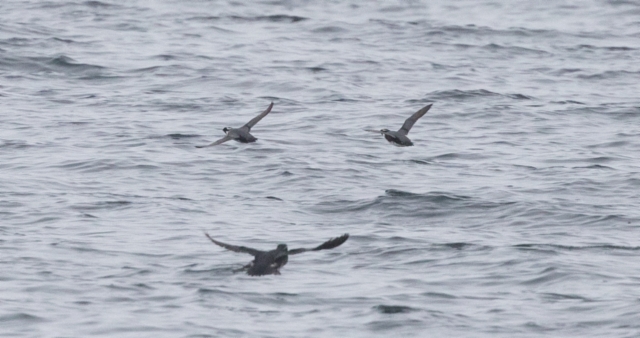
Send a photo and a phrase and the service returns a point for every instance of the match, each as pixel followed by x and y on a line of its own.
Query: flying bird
pixel 270 262
pixel 399 138
pixel 241 134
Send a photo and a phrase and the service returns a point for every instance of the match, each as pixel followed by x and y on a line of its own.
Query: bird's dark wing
pixel 410 121
pixel 330 244
pixel 234 247
pixel 220 141
pixel 257 119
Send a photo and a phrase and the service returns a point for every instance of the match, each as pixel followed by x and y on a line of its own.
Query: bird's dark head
pixel 385 130
pixel 226 130
pixel 282 247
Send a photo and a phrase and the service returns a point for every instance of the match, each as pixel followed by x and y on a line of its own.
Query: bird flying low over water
pixel 399 138
pixel 241 134
pixel 270 262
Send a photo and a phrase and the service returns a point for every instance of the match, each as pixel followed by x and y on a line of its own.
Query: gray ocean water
pixel 514 215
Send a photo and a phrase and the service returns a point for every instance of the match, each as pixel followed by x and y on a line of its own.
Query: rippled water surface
pixel 516 213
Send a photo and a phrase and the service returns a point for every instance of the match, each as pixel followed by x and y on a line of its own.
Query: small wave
pixel 345 206
pixel 337 98
pixel 556 247
pixel 389 24
pixel 500 143
pixel 455 156
pixel 128 27
pixel 521 166
pixel 393 9
pixel 457 94
pixel 125 288
pixel 73 123
pixel 595 166
pixel 610 74
pixel 519 96
pixel 457 246
pixel 461 94
pixel 614 144
pixel 329 29
pixel 105 205
pixel 22 318
pixel 471 30
pixel 546 276
pixel 43 220
pixel 181 136
pixel 596 160
pixel 439 295
pixel 166 70
pixel 100 78
pixel 165 57
pixel 568 102
pixel 601 159
pixel 563 71
pixel 521 50
pixel 607 48
pixel 146 69
pixel 16 42
pixel 279 18
pixel 98 4
pixel 560 296
pixel 58 64
pixel 316 69
pixel 393 309
pixel 67 41
pixel 15 145
pixel 177 107
pixel 399 204
pixel 423 162
pixel 390 253
pixel 436 197
pixel 213 291
pixel 66 62
pixel 89 166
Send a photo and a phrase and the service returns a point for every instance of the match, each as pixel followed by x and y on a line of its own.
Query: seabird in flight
pixel 270 262
pixel 399 138
pixel 240 134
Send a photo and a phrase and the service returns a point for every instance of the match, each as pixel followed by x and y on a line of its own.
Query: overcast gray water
pixel 516 213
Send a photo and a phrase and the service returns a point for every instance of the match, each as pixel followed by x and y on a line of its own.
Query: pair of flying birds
pixel 270 262
pixel 398 138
